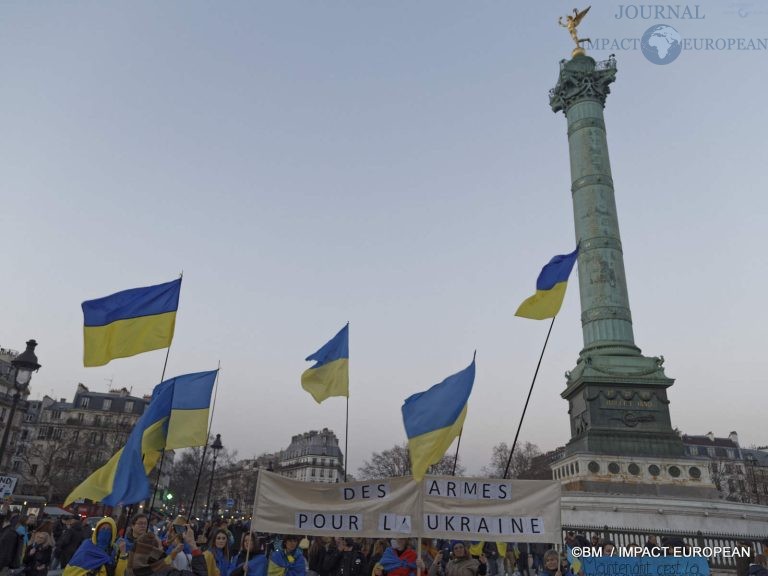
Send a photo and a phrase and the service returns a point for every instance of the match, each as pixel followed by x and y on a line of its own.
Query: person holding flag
pixel 399 559
pixel 462 564
pixel 95 557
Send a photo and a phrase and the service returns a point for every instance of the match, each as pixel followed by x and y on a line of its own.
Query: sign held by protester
pixel 7 485
pixel 437 507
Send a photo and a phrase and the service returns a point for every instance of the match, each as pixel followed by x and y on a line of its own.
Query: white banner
pixel 7 485
pixel 368 509
pixel 438 507
pixel 491 509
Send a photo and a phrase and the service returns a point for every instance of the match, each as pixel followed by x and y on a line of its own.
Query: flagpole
pixel 530 390
pixel 162 453
pixel 346 439
pixel 456 458
pixel 205 448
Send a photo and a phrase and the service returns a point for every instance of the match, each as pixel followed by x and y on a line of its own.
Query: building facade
pixel 739 474
pixel 66 441
pixel 7 392
pixel 313 456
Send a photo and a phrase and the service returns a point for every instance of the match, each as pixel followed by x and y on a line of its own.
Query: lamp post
pixel 24 364
pixel 216 446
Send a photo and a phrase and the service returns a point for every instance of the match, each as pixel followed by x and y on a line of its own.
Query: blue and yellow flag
pixel 550 288
pixel 190 408
pixel 175 403
pixel 130 322
pixel 330 376
pixel 434 418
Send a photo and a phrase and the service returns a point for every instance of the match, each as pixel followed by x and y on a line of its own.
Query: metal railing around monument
pixel 623 537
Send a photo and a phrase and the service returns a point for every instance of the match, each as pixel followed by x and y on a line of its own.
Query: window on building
pixel 129 406
pixel 729 468
pixel 70 455
pixel 731 454
pixel 312 473
pixel 84 402
pixel 92 438
pixel 97 420
pixel 16 466
pixel 107 403
pixel 33 469
pixel 721 453
pixel 731 486
pixel 322 473
pixel 742 487
pixel 24 435
pixel 55 414
pixel 42 432
pixel 702 451
pixel 715 467
pixel 76 435
pixel 80 417
pixel 57 433
pixel 2 414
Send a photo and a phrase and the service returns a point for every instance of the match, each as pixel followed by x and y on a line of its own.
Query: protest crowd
pixel 145 547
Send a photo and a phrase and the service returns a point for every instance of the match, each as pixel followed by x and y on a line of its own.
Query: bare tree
pixel 521 460
pixel 397 462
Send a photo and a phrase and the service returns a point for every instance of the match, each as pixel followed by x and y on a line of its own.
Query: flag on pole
pixel 434 418
pixel 550 288
pixel 190 409
pixel 175 403
pixel 129 322
pixel 330 375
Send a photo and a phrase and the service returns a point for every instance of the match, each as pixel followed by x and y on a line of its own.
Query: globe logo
pixel 661 44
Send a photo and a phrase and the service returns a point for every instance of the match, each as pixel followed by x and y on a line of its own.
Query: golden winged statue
pixel 572 22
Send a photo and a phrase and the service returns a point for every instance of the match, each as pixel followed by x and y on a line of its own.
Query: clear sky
pixel 391 164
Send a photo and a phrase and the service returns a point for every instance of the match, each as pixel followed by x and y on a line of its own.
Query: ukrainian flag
pixel 130 322
pixel 550 288
pixel 330 376
pixel 434 418
pixel 190 408
pixel 175 414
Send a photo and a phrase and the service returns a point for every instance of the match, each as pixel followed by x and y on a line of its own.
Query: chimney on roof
pixel 62 400
pixel 734 437
pixel 711 436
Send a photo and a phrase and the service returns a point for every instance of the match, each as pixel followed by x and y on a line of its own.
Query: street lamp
pixel 216 446
pixel 24 364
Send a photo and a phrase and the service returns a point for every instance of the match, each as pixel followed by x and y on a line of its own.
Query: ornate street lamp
pixel 216 446
pixel 24 364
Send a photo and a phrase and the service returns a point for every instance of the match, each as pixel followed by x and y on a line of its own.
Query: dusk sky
pixel 391 164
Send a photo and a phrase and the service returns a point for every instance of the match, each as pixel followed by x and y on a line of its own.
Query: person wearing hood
pixel 252 549
pixel 149 559
pixel 288 560
pixel 759 567
pixel 95 557
pixel 462 564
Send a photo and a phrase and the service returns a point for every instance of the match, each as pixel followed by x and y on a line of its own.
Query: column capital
pixel 581 78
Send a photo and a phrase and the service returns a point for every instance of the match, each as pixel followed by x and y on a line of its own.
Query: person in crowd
pixel 743 562
pixel 759 567
pixel 378 570
pixel 551 561
pixel 288 560
pixel 71 538
pixel 491 552
pixel 399 559
pixel 316 557
pixel 377 551
pixel 11 545
pixel 652 544
pixel 96 556
pixel 608 548
pixel 37 560
pixel 149 559
pixel 565 566
pixel 218 552
pixel 462 564
pixel 253 550
pixel 345 559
